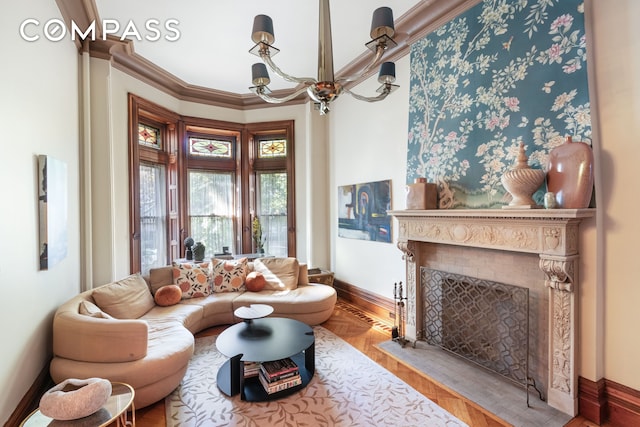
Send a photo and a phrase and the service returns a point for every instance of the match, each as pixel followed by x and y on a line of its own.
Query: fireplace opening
pixel 482 321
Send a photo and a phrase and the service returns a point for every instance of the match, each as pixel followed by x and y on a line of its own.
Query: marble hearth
pixel 534 248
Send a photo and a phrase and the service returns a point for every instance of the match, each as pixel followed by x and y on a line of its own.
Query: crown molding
pixel 417 22
pixel 420 20
pixel 82 12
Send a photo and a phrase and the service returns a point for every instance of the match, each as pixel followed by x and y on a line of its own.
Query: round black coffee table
pixel 264 340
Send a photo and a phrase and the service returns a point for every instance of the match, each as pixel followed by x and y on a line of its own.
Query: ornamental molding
pixel 548 232
pixel 560 272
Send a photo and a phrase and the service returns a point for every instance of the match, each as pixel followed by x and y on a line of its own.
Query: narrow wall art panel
pixel 362 211
pixel 52 206
pixel 501 73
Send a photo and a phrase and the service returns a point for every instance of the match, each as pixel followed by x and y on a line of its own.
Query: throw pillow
pixel 168 295
pixel 280 273
pixel 128 298
pixel 255 281
pixel 88 308
pixel 192 279
pixel 228 275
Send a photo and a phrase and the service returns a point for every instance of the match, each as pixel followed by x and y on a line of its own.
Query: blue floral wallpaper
pixel 504 72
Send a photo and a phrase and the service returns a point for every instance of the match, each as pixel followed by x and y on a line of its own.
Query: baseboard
pixel 31 399
pixel 623 404
pixel 373 303
pixel 606 400
pixel 592 402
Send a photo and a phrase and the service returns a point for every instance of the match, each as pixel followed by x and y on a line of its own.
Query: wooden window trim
pixel 283 128
pixel 178 162
pixel 140 109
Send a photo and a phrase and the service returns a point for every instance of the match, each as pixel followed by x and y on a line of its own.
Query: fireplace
pixel 533 249
pixel 482 321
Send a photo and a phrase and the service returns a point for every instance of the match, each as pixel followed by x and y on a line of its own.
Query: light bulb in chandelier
pixel 325 88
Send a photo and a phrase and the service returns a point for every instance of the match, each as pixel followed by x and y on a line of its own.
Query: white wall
pixel 616 39
pixel 368 142
pixel 38 115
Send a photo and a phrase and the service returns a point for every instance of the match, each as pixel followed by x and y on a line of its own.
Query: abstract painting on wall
pixel 362 211
pixel 52 206
pixel 501 73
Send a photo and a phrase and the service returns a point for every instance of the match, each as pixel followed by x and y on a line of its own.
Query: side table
pixel 318 275
pixel 120 401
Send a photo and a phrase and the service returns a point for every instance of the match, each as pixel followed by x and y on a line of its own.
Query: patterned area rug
pixel 348 389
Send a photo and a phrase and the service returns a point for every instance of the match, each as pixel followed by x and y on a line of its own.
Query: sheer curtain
pixel 212 210
pixel 153 220
pixel 272 211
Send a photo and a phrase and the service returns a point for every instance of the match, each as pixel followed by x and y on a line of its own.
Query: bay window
pixel 209 180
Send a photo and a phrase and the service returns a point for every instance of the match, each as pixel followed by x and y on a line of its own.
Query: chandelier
pixel 325 88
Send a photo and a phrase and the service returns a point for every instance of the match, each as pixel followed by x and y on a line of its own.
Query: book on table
pixel 275 369
pixel 251 369
pixel 278 375
pixel 279 385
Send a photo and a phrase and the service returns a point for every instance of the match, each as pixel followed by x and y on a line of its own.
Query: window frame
pixel 143 111
pixel 205 128
pixel 264 130
pixel 176 130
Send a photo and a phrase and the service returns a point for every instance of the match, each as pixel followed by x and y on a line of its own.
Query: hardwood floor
pixel 363 331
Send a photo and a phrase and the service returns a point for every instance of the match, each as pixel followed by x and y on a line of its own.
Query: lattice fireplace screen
pixel 482 321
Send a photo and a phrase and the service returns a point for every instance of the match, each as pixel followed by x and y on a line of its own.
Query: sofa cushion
pixel 192 279
pixel 279 273
pixel 128 298
pixel 188 315
pixel 228 275
pixel 168 295
pixel 87 308
pixel 303 274
pixel 159 277
pixel 255 281
pixel 217 309
pixel 305 299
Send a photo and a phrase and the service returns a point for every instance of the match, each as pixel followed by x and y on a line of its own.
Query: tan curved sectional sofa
pixel 151 351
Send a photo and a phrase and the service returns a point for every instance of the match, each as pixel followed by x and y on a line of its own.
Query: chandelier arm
pixel 325 88
pixel 260 91
pixel 304 80
pixel 386 91
pixel 379 52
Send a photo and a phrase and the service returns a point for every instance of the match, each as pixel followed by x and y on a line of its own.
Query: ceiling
pixel 212 50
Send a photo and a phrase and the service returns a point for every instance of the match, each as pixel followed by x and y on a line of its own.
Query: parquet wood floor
pixel 363 331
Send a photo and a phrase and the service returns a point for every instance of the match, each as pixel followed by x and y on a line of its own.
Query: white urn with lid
pixel 521 181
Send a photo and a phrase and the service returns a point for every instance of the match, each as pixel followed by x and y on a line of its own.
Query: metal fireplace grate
pixel 482 321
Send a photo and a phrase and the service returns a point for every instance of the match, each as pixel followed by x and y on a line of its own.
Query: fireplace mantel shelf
pixel 553 234
pixel 534 214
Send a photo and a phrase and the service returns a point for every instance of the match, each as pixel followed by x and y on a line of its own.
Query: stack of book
pixel 279 375
pixel 251 369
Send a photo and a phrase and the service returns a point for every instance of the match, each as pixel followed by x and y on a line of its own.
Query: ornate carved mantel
pixel 552 234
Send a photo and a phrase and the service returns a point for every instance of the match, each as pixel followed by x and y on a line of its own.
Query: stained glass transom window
pixel 149 136
pixel 210 148
pixel 272 148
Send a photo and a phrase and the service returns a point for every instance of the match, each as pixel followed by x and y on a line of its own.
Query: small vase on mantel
pixel 522 182
pixel 422 195
pixel 570 175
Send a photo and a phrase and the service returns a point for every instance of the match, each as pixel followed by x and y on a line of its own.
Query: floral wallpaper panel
pixel 503 72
